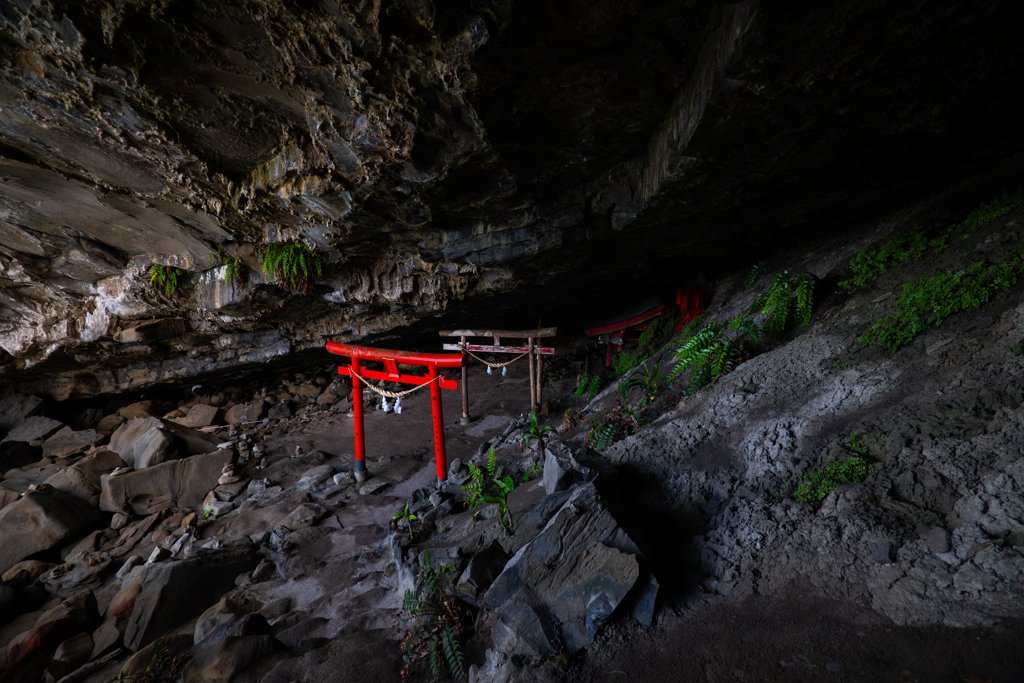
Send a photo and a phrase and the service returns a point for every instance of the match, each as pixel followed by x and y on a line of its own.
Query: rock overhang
pixel 441 154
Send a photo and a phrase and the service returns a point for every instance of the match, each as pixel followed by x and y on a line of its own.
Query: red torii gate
pixel 391 358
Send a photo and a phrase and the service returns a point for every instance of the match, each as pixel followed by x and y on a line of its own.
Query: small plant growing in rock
pixel 164 279
pixel 588 384
pixel 535 470
pixel 610 426
pixel 647 381
pixel 756 271
pixel 489 486
pixel 814 487
pixel 233 269
pixel 856 446
pixel 435 624
pixel 293 266
pixel 409 518
pixel 536 433
pixel 788 299
pixel 705 355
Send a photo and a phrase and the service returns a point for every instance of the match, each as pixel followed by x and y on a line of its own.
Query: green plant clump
pixel 705 355
pixel 814 487
pixel 625 361
pixel 986 213
pixel 234 266
pixel 647 381
pixel 926 304
pixel 489 486
pixel 293 266
pixel 165 279
pixel 755 272
pixel 871 262
pixel 788 299
pixel 435 623
pixel 610 426
pixel 856 446
pixel 588 384
pixel 534 432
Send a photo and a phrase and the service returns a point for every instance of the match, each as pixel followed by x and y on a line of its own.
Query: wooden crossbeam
pixel 514 334
pixel 488 348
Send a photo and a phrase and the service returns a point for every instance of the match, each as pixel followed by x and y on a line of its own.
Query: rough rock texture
pixel 185 481
pixel 436 153
pixel 936 532
pixel 40 520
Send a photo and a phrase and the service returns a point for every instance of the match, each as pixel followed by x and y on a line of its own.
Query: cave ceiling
pixel 483 162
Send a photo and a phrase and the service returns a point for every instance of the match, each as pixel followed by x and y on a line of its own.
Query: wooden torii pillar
pixel 535 352
pixel 391 358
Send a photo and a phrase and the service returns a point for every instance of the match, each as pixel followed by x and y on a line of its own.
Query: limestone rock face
pixel 42 519
pixel 397 140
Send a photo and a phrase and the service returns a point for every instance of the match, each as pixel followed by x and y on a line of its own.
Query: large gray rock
pixel 42 519
pixel 33 429
pixel 186 481
pixel 576 571
pixel 15 408
pixel 83 479
pixel 149 441
pixel 160 607
pixel 228 657
pixel 199 415
pixel 245 412
pixel 68 442
pixel 142 442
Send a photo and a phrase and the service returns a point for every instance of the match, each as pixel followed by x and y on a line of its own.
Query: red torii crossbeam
pixel 391 359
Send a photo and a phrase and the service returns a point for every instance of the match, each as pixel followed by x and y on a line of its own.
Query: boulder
pixel 75 650
pixel 200 415
pixel 138 410
pixel 480 573
pixel 68 442
pixel 83 479
pixel 30 653
pixel 146 442
pixel 15 408
pixel 142 442
pixel 7 496
pixel 576 571
pixel 33 429
pixel 26 571
pixel 42 519
pixel 245 412
pixel 228 657
pixel 143 660
pixel 186 481
pixel 159 607
pixel 108 636
pixel 108 424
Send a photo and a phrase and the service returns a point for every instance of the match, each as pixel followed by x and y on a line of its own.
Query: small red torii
pixel 391 358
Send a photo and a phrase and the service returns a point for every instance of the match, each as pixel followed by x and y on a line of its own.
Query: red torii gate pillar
pixel 391 358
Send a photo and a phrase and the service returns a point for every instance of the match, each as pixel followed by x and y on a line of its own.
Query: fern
pixel 704 355
pixel 755 272
pixel 746 326
pixel 788 298
pixel 292 266
pixel 165 279
pixel 452 653
pixel 490 487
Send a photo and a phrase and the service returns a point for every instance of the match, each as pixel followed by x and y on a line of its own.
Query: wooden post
pixel 465 389
pixel 540 380
pixel 533 384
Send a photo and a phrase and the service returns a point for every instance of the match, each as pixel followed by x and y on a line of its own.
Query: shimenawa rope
pixel 394 394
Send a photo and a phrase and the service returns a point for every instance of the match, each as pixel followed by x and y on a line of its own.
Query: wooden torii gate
pixel 391 359
pixel 532 349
